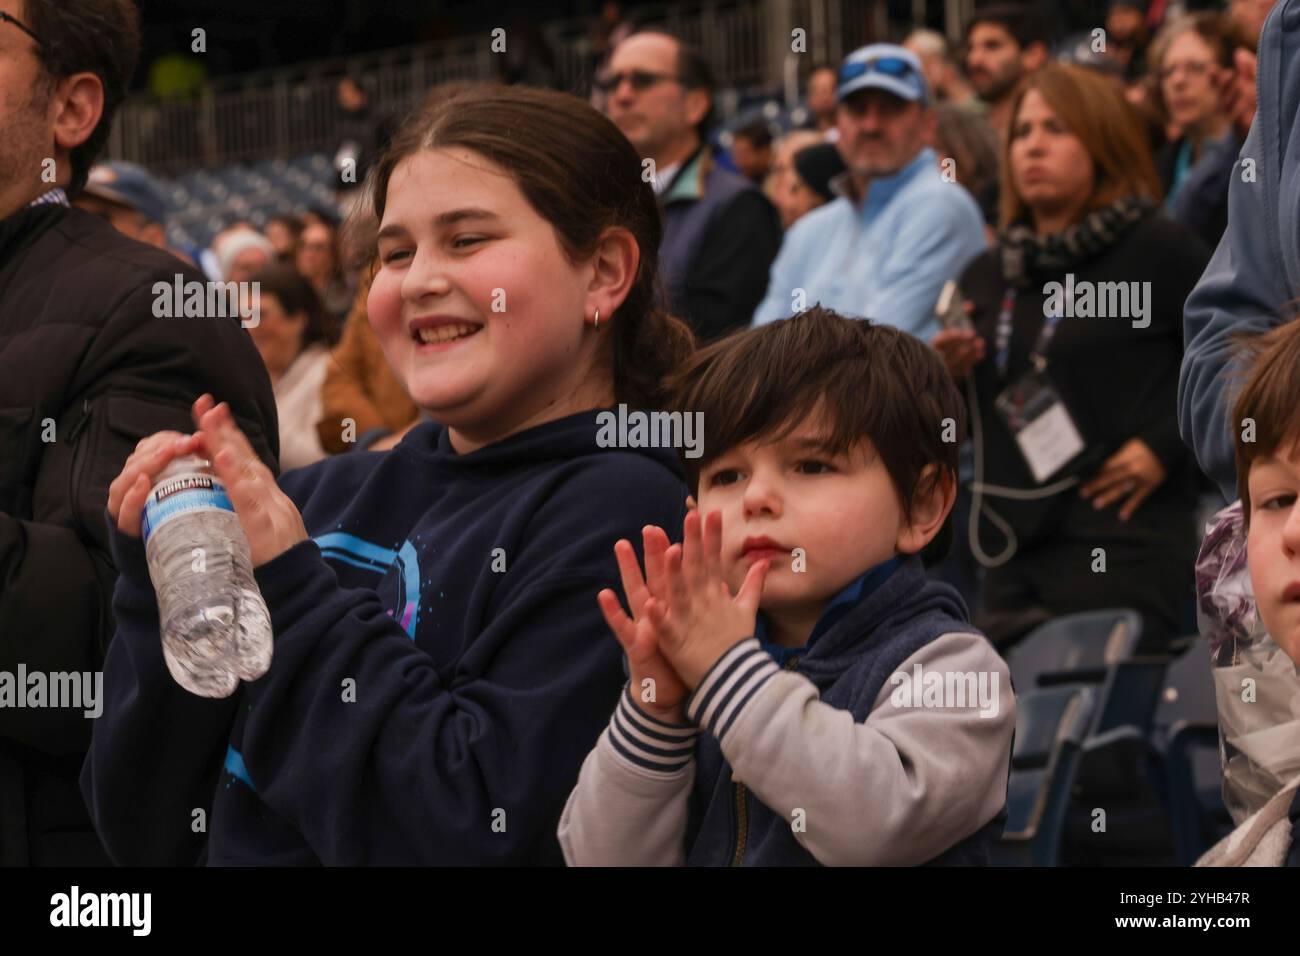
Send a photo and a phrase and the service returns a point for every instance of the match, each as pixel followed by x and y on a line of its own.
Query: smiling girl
pixel 440 666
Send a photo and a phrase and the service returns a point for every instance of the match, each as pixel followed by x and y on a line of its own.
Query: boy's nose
pixel 1291 530
pixel 762 497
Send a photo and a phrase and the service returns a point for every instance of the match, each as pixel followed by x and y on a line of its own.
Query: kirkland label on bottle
pixel 182 495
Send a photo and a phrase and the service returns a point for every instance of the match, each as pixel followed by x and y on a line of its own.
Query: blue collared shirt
pixel 838 606
pixel 885 259
pixel 55 197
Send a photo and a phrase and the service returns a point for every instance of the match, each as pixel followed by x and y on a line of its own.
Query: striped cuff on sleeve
pixel 648 742
pixel 728 686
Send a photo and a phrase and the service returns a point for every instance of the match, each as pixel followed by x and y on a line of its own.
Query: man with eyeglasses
pixel 720 232
pixel 86 371
pixel 900 228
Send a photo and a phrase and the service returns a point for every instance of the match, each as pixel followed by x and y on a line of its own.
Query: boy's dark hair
pixel 91 36
pixel 757 132
pixel 873 381
pixel 1020 20
pixel 1270 397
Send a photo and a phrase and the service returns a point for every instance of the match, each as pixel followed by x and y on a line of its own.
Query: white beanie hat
pixel 235 243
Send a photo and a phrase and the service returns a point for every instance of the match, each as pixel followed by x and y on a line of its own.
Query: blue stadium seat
pixel 203 202
pixel 1110 770
pixel 1051 724
pixel 1186 737
pixel 1076 648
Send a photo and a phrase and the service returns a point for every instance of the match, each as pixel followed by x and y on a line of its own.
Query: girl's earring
pixel 596 323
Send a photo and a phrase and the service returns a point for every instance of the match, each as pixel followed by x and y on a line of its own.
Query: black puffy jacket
pixel 86 371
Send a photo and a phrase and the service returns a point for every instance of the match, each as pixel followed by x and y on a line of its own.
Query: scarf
pixel 1025 254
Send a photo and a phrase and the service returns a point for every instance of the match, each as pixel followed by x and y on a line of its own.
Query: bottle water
pixel 215 627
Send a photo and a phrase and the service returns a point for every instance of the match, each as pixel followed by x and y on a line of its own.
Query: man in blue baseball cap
pixel 899 228
pixel 129 199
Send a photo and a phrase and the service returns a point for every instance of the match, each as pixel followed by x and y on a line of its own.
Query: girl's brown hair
pixel 582 176
pixel 1092 109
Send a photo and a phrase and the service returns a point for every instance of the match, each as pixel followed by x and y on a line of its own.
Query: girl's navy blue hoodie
pixel 458 594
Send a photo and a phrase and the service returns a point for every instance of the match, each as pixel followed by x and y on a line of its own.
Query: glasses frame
pixel 6 18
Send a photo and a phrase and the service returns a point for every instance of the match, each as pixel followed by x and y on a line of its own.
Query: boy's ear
pixel 929 510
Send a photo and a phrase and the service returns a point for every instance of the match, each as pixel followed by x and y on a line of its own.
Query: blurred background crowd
pixel 862 155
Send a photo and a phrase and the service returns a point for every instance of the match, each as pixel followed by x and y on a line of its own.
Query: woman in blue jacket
pixel 440 664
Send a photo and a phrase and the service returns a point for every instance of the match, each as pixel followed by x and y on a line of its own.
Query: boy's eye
pixel 392 255
pixel 1279 502
pixel 724 476
pixel 820 467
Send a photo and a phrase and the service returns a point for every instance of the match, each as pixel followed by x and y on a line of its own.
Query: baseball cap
pixel 129 185
pixel 882 66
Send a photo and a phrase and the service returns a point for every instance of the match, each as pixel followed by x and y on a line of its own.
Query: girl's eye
pixel 1279 502
pixel 723 476
pixel 393 256
pixel 458 242
pixel 821 467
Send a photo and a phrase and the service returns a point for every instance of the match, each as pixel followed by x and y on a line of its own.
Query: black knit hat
pixel 817 166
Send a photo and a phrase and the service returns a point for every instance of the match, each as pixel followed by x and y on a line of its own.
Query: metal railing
pixel 292 110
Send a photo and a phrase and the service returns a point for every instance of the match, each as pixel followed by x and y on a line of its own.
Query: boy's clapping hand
pixel 636 634
pixel 695 619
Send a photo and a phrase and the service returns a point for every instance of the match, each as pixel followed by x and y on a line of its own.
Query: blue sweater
pixel 482 676
pixel 886 259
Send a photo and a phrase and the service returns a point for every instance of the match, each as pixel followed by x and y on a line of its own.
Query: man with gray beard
pixel 86 371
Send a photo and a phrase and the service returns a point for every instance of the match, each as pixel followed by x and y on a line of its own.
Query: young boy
pixel 1267 412
pixel 839 709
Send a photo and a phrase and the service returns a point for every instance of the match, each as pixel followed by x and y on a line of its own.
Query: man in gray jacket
pixel 1253 279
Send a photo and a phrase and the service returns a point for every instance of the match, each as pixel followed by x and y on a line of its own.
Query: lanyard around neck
pixel 1003 340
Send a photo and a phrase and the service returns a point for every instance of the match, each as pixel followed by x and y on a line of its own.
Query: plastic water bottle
pixel 215 626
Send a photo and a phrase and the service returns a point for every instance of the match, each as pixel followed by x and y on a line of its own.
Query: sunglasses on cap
pixel 894 66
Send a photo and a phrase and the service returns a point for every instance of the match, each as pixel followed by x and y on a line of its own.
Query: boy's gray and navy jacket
pixel 1251 283
pixel 441 666
pixel 841 758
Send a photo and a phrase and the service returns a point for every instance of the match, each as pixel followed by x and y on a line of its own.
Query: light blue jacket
pixel 887 259
pixel 1254 277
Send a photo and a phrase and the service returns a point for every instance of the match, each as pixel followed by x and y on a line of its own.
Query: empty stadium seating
pixel 202 203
